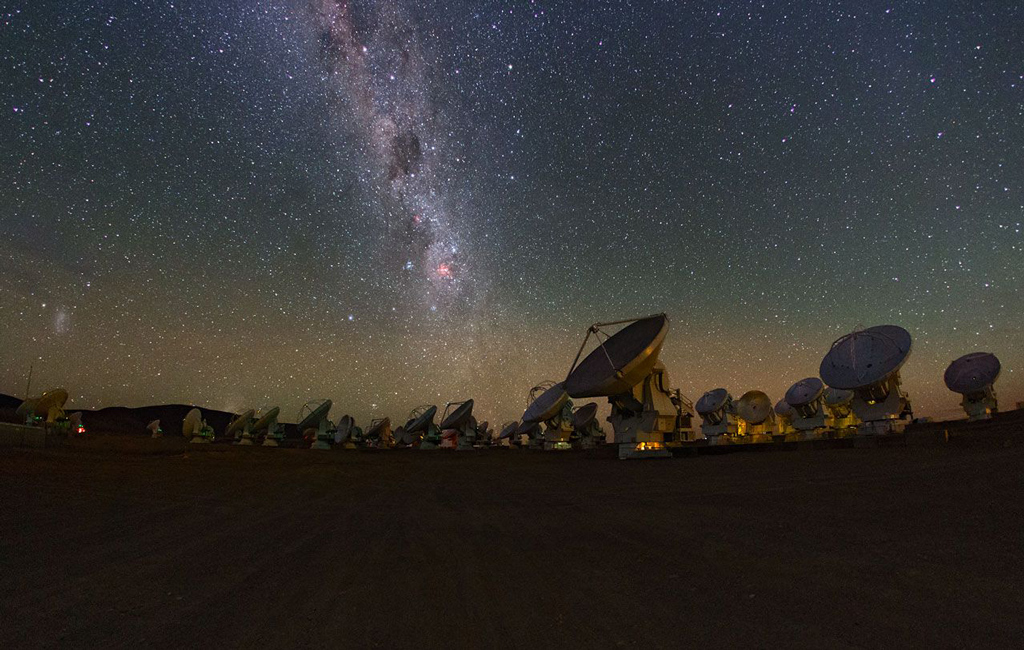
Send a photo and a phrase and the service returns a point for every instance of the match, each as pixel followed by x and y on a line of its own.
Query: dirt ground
pixel 134 543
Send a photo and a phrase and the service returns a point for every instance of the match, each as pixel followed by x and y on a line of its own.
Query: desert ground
pixel 133 542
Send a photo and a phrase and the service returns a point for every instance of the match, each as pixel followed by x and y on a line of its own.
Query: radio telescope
pixel 154 429
pixel 717 414
pixel 422 426
pixel 195 428
pixel 624 367
pixel 784 417
pixel 532 432
pixel 459 420
pixel 48 407
pixel 379 434
pixel 239 429
pixel 346 432
pixel 313 416
pixel 868 362
pixel 554 408
pixel 508 430
pixel 807 398
pixel 268 422
pixel 755 410
pixel 839 405
pixel 973 375
pixel 584 422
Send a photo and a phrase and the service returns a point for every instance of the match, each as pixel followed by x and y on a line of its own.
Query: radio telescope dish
pixel 972 373
pixel 423 420
pixel 238 424
pixel 193 423
pixel 344 429
pixel 537 390
pixel 377 427
pixel 754 406
pixel 837 397
pixel 620 362
pixel 783 409
pixel 548 405
pixel 314 416
pixel 584 415
pixel 459 417
pixel 804 391
pixel 269 418
pixel 50 405
pixel 712 401
pixel 401 436
pixel 866 357
pixel 508 431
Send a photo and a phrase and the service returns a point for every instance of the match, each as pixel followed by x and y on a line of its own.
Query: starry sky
pixel 247 203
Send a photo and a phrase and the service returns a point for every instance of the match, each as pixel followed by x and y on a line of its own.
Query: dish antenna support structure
pixel 268 422
pixel 784 418
pixel 422 426
pixel 508 431
pixel 378 435
pixel 973 376
pixel 460 420
pixel 194 428
pixel 868 363
pixel 811 418
pixel 756 415
pixel 241 428
pixel 839 404
pixel 554 408
pixel 718 416
pixel 313 415
pixel 646 413
pixel 586 427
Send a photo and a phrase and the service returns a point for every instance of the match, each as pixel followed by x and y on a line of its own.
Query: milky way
pixel 387 87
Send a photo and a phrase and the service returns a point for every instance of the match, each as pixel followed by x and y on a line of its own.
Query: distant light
pixel 351 317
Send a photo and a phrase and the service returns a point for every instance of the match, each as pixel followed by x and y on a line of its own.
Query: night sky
pixel 247 203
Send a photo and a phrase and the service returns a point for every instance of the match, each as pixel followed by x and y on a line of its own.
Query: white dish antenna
pixel 754 407
pixel 377 428
pixel 508 431
pixel 804 392
pixel 838 398
pixel 459 417
pixel 345 425
pixel 972 374
pixel 712 402
pixel 422 421
pixel 783 409
pixel 313 414
pixel 192 424
pixel 50 405
pixel 269 418
pixel 238 424
pixel 584 415
pixel 619 362
pixel 548 405
pixel 866 357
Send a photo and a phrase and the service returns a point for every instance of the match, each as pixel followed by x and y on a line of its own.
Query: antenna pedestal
pixel 558 430
pixel 979 407
pixel 323 436
pixel 880 417
pixel 246 438
pixel 466 438
pixel 274 436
